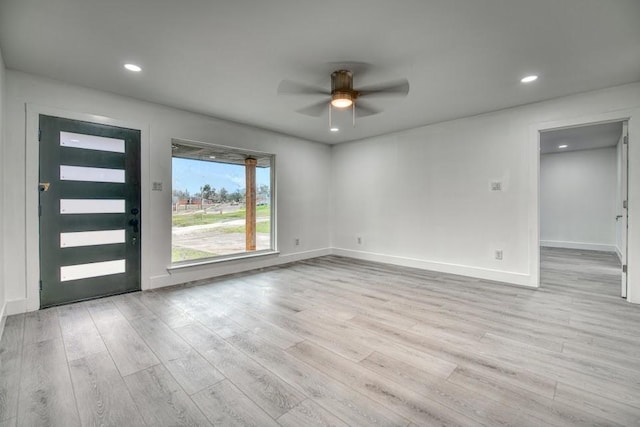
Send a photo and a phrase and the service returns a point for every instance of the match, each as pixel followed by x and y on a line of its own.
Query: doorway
pixel 89 210
pixel 583 201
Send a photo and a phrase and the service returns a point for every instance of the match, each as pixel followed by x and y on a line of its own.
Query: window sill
pixel 220 260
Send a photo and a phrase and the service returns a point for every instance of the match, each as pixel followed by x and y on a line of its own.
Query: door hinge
pixel 40 284
pixel 624 268
pixel 40 135
pixel 625 140
pixel 624 204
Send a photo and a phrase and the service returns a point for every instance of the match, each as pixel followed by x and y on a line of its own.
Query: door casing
pixel 623 210
pixel 534 179
pixel 31 299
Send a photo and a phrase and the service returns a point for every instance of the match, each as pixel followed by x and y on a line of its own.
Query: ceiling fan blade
pixel 395 88
pixel 315 110
pixel 288 87
pixel 364 109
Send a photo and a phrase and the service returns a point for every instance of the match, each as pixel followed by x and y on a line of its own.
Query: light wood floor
pixel 333 341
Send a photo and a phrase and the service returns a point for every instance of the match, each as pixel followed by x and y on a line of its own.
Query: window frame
pixel 273 250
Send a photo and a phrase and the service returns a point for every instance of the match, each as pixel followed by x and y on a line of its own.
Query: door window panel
pixel 80 173
pixel 91 238
pixel 91 206
pixel 91 142
pixel 93 269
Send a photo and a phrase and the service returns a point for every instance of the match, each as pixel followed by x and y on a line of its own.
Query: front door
pixel 89 210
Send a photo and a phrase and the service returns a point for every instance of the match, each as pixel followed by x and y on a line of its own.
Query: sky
pixel 191 174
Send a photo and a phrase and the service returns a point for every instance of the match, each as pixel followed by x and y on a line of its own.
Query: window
pixel 222 202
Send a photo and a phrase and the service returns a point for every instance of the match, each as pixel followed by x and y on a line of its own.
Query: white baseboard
pixel 578 245
pixel 462 270
pixel 17 306
pixel 299 256
pixel 230 267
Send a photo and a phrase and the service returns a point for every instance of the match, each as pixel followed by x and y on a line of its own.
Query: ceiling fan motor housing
pixel 342 93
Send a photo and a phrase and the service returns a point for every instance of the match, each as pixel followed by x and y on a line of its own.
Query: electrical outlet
pixel 297 241
pixel 496 186
pixel 499 254
pixel 359 240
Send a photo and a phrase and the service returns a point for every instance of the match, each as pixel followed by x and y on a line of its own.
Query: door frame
pixel 632 116
pixel 32 167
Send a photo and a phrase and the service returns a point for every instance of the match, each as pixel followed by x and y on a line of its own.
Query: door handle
pixel 618 217
pixel 135 223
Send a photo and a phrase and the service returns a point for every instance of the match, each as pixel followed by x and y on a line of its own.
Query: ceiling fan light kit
pixel 344 104
pixel 341 100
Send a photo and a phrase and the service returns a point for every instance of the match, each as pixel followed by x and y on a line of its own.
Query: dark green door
pixel 89 210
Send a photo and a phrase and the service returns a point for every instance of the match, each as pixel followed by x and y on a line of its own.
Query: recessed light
pixel 212 157
pixel 529 79
pixel 334 129
pixel 133 67
pixel 563 146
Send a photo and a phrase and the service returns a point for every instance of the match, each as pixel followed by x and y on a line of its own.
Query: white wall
pixel 422 197
pixel 578 191
pixel 302 167
pixel 2 187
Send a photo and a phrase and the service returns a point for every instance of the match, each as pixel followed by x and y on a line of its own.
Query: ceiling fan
pixel 343 95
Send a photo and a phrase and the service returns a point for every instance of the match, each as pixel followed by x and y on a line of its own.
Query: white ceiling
pixel 581 138
pixel 226 58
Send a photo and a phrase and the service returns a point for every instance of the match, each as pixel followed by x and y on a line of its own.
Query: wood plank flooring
pixel 335 342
